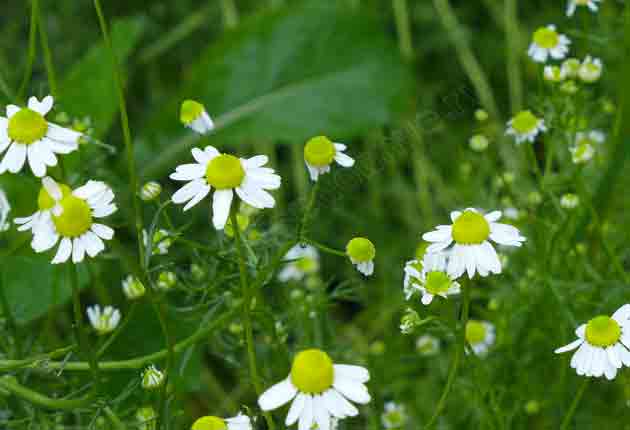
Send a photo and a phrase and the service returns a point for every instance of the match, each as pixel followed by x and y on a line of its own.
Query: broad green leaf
pixel 307 70
pixel 89 87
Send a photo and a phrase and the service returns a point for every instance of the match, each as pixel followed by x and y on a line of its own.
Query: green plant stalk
pixel 308 212
pixel 247 318
pixel 403 28
pixel 325 248
pixel 113 418
pixel 513 53
pixel 45 401
pixel 566 421
pixel 31 362
pixel 48 61
pixel 112 337
pixel 230 13
pixel 32 49
pixel 459 352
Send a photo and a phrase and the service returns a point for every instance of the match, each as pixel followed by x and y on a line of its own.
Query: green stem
pixel 513 53
pixel 306 217
pixel 32 49
pixel 116 422
pixel 459 352
pixel 48 62
pixel 325 248
pixel 117 332
pixel 273 267
pixel 566 422
pixel 29 362
pixel 401 16
pixel 45 401
pixel 230 13
pixel 247 319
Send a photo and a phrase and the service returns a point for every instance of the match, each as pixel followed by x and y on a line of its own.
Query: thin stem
pixel 48 61
pixel 401 15
pixel 45 401
pixel 247 319
pixel 119 329
pixel 116 422
pixel 513 53
pixel 566 422
pixel 459 352
pixel 32 49
pixel 306 217
pixel 325 248
pixel 33 361
pixel 230 13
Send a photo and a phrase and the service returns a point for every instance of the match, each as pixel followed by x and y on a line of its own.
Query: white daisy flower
pixel 428 345
pixel 480 335
pixel 152 378
pixel 303 261
pixel 603 345
pixel 525 126
pixel 239 422
pixel 471 231
pixel 433 280
pixel 26 135
pixel 573 4
pixel 554 74
pixel 227 174
pixel 361 253
pixel 585 145
pixel 194 116
pixel 394 416
pixel 103 321
pixel 319 390
pixel 161 242
pixel 71 218
pixel 132 287
pixel 590 70
pixel 547 42
pixel 569 201
pixel 320 152
pixel 570 67
pixel 5 208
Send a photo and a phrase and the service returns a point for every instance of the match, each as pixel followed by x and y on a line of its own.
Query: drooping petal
pixel 296 409
pixel 14 158
pixel 570 347
pixel 221 203
pixel 64 251
pixel 277 395
pixel 306 418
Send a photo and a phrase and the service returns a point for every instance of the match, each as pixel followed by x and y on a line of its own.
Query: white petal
pixel 52 188
pixel 12 110
pixel 257 161
pixel 277 395
pixel 42 107
pixel 455 215
pixel 188 172
pixel 351 389
pixel 252 194
pixel 36 159
pixel 622 314
pixel 199 197
pixel 102 231
pixel 188 191
pixel 64 251
pixel 427 298
pixel 78 250
pixel 306 418
pixel 203 157
pixel 441 235
pixel 344 160
pixel 320 413
pixel 14 158
pixel 570 347
pixel 581 331
pixel 92 243
pixel 221 202
pixel 296 409
pixel 357 373
pixel 493 216
pixel 347 408
pixel 104 211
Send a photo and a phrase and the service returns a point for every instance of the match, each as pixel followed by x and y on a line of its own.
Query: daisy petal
pixel 277 395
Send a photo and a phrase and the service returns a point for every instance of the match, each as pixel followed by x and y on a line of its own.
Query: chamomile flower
pixel 570 67
pixel 573 4
pixel 427 345
pixel 302 260
pixel 103 321
pixel 70 220
pixel 152 378
pixel 569 201
pixel 361 252
pixel 472 232
pixel 525 126
pixel 585 145
pixel 194 116
pixel 133 288
pixel 226 174
pixel 239 422
pixel 394 416
pixel 547 42
pixel 433 280
pixel 319 390
pixel 590 70
pixel 554 74
pixel 5 208
pixel 480 335
pixel 162 241
pixel 320 152
pixel 603 345
pixel 26 135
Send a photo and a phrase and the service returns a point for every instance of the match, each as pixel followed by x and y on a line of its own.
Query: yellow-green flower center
pixel 46 202
pixel 470 228
pixel 546 38
pixel 27 126
pixel 306 265
pixel 225 171
pixel 319 151
pixel 190 111
pixel 603 331
pixel 312 371
pixel 209 423
pixel 525 122
pixel 361 249
pixel 75 219
pixel 475 332
pixel 437 282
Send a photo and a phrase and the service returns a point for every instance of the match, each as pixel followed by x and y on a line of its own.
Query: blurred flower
pixel 554 74
pixel 481 115
pixel 197 272
pixel 26 135
pixel 103 321
pixel 319 390
pixel 590 70
pixel 194 116
pixel 602 346
pixel 150 191
pixel 532 407
pixel 302 261
pixel 166 281
pixel 573 4
pixel 132 287
pixel 146 418
pixel 583 149
pixel 569 87
pixel 534 198
pixel 512 213
pixel 320 152
pixel 480 336
pixel 571 67
pixel 239 422
pixel 5 208
pixel 479 143
pixel 428 345
pixel 409 321
pixel 433 280
pixel 547 42
pixel 152 378
pixel 361 252
pixel 69 215
pixel 227 174
pixel 394 416
pixel 471 231
pixel 161 242
pixel 525 126
pixel 569 201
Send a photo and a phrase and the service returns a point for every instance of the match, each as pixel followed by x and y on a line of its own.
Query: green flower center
pixel 46 202
pixel 437 282
pixel 525 122
pixel 475 332
pixel 225 171
pixel 603 331
pixel 75 219
pixel 470 228
pixel 361 249
pixel 27 126
pixel 395 418
pixel 209 423
pixel 312 371
pixel 319 151
pixel 306 265
pixel 190 111
pixel 546 38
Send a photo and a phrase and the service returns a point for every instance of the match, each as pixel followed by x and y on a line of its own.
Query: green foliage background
pixel 272 75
